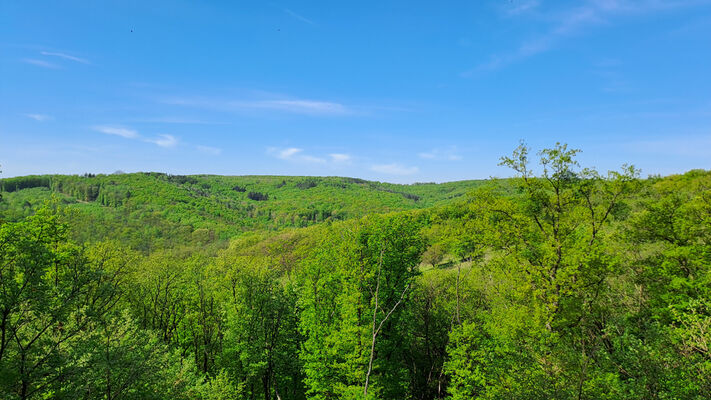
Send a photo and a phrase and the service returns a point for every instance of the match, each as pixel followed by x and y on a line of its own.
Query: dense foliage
pixel 150 211
pixel 559 283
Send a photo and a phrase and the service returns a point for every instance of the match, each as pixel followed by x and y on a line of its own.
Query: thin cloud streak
pixel 65 56
pixel 292 106
pixel 295 154
pixel 298 106
pixel 164 140
pixel 573 21
pixel 299 17
pixel 177 121
pixel 39 117
pixel 340 158
pixel 40 63
pixel 449 154
pixel 286 154
pixel 118 131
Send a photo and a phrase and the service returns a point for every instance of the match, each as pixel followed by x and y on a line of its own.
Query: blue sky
pixel 399 91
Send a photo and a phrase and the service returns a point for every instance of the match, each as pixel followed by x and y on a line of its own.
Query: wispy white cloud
pixel 65 56
pixel 573 21
pixel 298 16
pixel 164 140
pixel 118 131
pixel 448 154
pixel 295 154
pixel 394 169
pixel 177 121
pixel 287 105
pixel 286 154
pixel 40 63
pixel 256 101
pixel 39 117
pixel 209 150
pixel 340 157
pixel 300 106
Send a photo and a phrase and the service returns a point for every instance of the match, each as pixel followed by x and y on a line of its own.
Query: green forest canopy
pixel 554 285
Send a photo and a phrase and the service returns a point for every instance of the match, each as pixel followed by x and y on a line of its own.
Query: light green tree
pixel 356 288
pixel 551 252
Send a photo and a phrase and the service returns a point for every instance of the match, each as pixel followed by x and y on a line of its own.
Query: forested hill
pixel 567 285
pixel 157 209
